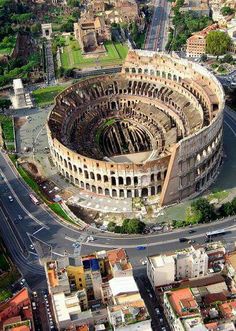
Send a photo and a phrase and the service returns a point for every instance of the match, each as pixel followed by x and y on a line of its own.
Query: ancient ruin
pixel 155 129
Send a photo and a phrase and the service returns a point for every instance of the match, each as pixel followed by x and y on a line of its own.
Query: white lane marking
pixel 33 253
pixel 62 255
pixel 70 239
pixel 38 230
pixel 21 204
pixel 230 127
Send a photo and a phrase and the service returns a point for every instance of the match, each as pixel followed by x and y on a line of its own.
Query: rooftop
pixel 161 260
pixel 228 309
pixel 66 306
pixel 183 302
pixel 121 285
pixel 116 255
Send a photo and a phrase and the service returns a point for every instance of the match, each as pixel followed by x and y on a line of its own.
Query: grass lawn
pixel 4 294
pixel 7 131
pixel 56 207
pixel 220 195
pixel 72 57
pixel 45 96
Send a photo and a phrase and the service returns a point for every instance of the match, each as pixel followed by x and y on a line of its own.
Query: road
pixel 52 238
pixel 157 34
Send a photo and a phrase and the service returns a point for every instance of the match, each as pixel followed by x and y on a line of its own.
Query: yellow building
pixel 76 276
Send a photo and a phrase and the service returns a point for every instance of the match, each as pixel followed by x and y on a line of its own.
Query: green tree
pixel 203 58
pixel 132 226
pixel 5 104
pixel 228 58
pixel 111 226
pixel 233 204
pixel 226 10
pixel 217 43
pixel 226 209
pixel 203 209
pixel 73 3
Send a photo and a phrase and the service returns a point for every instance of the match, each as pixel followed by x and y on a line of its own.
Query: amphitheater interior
pixel 154 129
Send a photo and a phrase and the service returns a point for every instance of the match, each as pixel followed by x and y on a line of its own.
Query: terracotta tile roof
pixel 212 326
pixel 20 328
pixel 82 328
pixel 116 255
pixel 227 309
pixel 182 301
pixel 203 281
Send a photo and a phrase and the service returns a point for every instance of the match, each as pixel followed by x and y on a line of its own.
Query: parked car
pixel 10 198
pixel 183 240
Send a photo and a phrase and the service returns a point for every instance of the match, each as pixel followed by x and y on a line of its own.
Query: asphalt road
pixel 53 238
pixel 157 34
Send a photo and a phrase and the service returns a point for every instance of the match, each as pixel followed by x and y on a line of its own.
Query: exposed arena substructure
pixel 153 129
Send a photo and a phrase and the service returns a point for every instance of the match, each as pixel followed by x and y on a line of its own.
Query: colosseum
pixel 154 129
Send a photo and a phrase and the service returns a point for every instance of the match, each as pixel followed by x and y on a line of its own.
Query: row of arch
pixel 112 192
pixel 209 149
pixel 152 72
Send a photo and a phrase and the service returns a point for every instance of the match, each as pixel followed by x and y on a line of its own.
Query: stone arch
pixel 87 186
pixel 158 189
pixel 107 191
pixel 86 175
pixel 114 193
pixel 152 72
pixel 133 70
pixel 105 178
pixel 92 175
pixel 74 168
pixel 129 194
pixel 80 171
pixel 169 76
pixel 99 177
pixel 120 180
pixel 100 190
pixel 63 172
pixel 113 181
pixel 121 194
pixel 70 166
pixel 67 175
pixel 128 180
pixel 76 181
pixel 139 70
pixel 144 192
pixel 94 190
pixel 71 179
pixel 153 191
pixel 65 164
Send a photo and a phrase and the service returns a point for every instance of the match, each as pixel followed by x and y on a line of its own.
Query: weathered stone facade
pixel 153 129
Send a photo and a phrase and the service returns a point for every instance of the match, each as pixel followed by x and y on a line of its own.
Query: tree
pixel 226 10
pixel 73 3
pixel 5 104
pixel 226 209
pixel 228 58
pixel 203 58
pixel 132 226
pixel 111 226
pixel 217 43
pixel 203 209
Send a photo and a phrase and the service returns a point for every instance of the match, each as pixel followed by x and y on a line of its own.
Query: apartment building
pixel 161 270
pixel 181 310
pixel 91 289
pixel 196 44
pixel 191 263
pixel 188 263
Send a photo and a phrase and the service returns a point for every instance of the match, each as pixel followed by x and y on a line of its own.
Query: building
pixel 88 290
pixel 181 310
pixel 196 44
pixel 91 32
pixel 161 270
pixel 184 264
pixel 198 7
pixel 173 110
pixel 191 263
pixel 16 313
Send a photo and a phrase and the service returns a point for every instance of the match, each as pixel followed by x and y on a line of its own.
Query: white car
pixel 10 198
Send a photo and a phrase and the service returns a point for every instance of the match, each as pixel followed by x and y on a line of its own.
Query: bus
pixel 34 199
pixel 215 233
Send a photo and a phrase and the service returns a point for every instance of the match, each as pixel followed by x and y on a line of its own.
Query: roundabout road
pixel 39 226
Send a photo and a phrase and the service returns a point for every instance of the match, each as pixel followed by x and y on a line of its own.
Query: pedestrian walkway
pixel 49 63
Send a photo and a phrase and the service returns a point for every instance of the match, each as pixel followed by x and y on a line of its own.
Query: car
pixel 10 198
pixel 140 248
pixel 183 240
pixel 20 218
pixel 144 262
pixel 150 295
pixel 163 329
pixel 161 320
pixel 32 246
pixel 157 310
pixel 192 231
